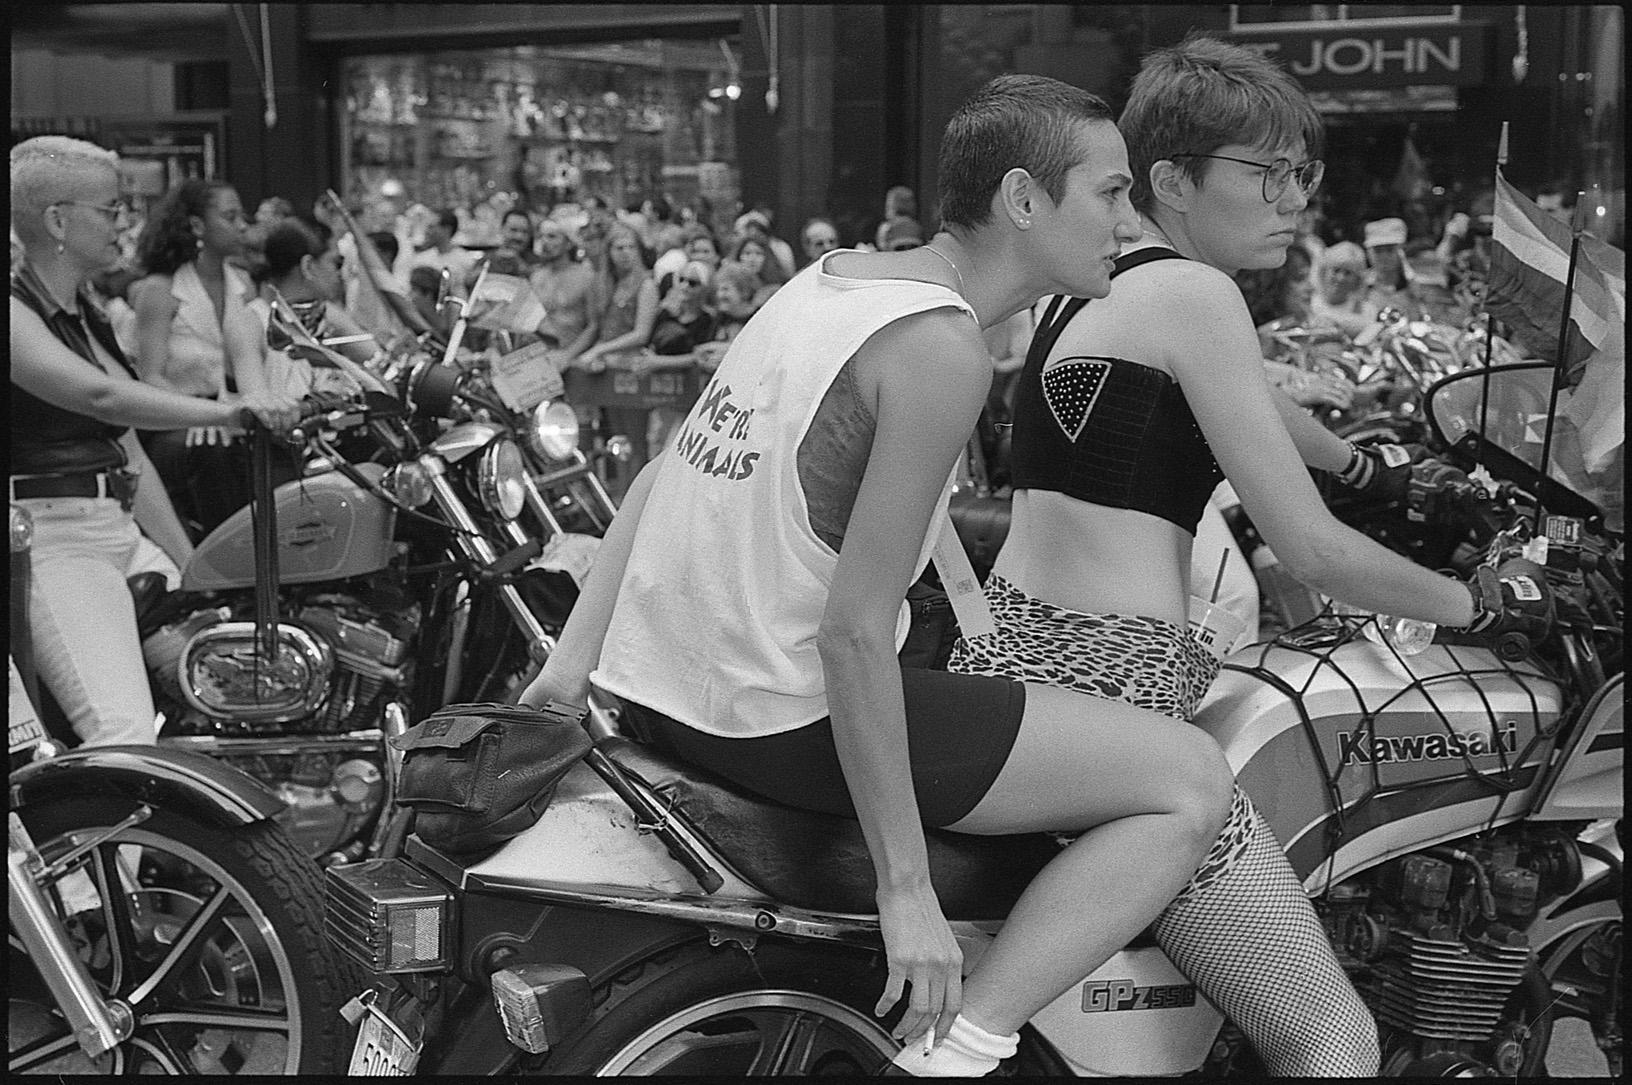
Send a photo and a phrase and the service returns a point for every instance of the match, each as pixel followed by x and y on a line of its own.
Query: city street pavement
pixel 1573 1054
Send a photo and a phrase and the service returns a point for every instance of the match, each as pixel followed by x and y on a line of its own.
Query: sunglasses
pixel 694 282
pixel 1278 174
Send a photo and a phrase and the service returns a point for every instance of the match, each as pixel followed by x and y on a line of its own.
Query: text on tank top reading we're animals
pixel 714 435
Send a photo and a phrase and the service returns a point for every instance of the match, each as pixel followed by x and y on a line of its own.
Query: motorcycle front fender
pixel 187 782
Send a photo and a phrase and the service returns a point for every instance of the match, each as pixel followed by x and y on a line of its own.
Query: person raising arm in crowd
pixel 75 464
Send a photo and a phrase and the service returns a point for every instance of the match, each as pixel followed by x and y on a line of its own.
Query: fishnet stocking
pixel 1251 942
pixel 1242 929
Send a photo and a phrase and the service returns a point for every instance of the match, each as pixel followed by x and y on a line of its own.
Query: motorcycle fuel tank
pixel 329 528
pixel 1589 780
pixel 1354 754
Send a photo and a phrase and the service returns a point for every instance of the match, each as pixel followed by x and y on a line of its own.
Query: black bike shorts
pixel 960 729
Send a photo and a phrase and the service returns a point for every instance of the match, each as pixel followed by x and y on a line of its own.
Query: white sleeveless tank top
pixel 715 624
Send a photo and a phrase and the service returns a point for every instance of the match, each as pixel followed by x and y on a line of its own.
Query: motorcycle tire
pixel 260 956
pixel 721 1012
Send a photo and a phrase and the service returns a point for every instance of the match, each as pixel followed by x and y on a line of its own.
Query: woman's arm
pixel 1318 446
pixel 932 374
pixel 42 366
pixel 641 333
pixel 244 337
pixel 1200 323
pixel 155 308
pixel 154 513
pixel 565 676
pixel 341 323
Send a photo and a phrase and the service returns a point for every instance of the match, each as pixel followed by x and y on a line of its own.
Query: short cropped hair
pixel 1025 121
pixel 1194 97
pixel 43 169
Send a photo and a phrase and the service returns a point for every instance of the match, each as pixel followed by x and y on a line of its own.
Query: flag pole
pixel 1490 327
pixel 1576 227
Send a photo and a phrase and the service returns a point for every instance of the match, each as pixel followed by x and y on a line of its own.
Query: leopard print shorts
pixel 1140 661
pixel 1144 662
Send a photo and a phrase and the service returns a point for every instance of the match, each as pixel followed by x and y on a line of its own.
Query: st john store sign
pixel 1351 56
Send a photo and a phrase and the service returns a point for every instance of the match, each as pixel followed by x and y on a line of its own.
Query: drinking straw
pixel 1218 581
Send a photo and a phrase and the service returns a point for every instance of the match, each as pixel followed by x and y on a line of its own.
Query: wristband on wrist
pixel 1482 618
pixel 1358 471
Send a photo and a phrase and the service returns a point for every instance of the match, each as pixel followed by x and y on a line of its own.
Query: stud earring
pixel 61 248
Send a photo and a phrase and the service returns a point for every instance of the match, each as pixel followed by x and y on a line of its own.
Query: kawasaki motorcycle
pixel 426 553
pixel 161 921
pixel 1453 808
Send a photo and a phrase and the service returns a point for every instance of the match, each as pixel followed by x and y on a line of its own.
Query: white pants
pixel 82 619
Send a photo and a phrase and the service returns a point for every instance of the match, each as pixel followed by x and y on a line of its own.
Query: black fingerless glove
pixel 1512 606
pixel 1380 472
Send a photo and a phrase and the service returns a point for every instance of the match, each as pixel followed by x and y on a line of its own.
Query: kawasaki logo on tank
pixel 1433 742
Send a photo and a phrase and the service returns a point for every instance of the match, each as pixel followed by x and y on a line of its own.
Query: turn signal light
pixel 389 916
pixel 540 1003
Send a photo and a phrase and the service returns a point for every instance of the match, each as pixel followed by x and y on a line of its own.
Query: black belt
pixel 119 484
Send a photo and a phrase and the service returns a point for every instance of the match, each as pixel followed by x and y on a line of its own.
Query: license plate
pixel 382 1049
pixel 23 725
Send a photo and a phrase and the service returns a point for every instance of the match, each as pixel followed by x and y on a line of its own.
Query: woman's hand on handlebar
pixel 269 410
pixel 921 950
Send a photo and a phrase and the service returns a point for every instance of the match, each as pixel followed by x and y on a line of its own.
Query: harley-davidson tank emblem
pixel 1109 996
pixel 1366 747
pixel 308 533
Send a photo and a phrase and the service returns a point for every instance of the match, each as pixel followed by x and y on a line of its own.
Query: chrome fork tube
pixel 477 547
pixel 97 1026
pixel 541 508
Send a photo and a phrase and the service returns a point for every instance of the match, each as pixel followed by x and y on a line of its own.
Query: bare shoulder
pixel 1158 314
pixel 935 353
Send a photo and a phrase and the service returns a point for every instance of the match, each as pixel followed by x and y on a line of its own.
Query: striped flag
pixel 1528 265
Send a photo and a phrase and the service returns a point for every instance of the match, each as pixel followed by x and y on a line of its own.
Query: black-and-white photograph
pixel 759 540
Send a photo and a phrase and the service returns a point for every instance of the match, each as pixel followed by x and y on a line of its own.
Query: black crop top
pixel 1108 430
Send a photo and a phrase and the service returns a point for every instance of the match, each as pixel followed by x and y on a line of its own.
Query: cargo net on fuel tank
pixel 1423 965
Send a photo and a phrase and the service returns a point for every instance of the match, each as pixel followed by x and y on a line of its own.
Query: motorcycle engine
pixel 339 662
pixel 1435 941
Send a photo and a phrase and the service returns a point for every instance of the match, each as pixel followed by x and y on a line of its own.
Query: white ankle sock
pixel 967 1051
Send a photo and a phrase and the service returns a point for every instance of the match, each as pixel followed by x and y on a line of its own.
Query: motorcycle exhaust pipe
pixel 97 1025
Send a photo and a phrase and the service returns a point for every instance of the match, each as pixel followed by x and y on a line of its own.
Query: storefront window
pixel 623 122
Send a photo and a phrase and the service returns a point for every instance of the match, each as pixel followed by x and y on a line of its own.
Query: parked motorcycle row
pixel 1453 807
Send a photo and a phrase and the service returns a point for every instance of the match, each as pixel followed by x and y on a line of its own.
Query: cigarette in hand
pixel 929 1041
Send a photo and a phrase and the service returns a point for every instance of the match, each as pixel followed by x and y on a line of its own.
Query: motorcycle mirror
pixel 444 288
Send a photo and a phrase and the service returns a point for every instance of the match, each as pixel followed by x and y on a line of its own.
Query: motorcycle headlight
pixel 501 479
pixel 409 483
pixel 554 432
pixel 22 529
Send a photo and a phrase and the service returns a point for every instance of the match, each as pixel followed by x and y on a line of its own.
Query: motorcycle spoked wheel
pixel 250 989
pixel 719 1012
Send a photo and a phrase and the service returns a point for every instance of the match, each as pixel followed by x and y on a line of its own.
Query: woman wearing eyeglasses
pixel 75 463
pixel 196 335
pixel 1130 410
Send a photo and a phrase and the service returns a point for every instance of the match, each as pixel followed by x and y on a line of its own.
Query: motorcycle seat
pixel 820 861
